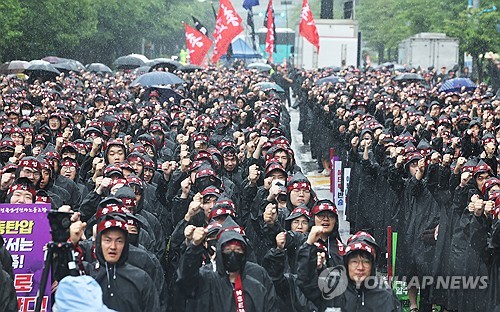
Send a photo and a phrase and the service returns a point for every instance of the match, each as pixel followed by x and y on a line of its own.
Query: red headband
pixel 301 211
pixel 30 163
pixel 324 207
pixel 358 235
pixel 22 187
pixel 129 202
pixel 111 208
pixel 220 212
pixel 111 223
pixel 360 246
pixel 298 185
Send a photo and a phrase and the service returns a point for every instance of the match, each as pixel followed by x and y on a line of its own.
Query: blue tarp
pixel 241 50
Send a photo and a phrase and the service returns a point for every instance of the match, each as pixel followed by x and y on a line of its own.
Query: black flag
pixel 251 24
pixel 199 26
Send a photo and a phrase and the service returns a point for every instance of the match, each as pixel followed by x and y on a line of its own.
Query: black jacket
pixel 213 288
pixel 124 286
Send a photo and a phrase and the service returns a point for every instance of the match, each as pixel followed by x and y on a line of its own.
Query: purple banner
pixel 25 229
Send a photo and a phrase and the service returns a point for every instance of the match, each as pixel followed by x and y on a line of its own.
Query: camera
pixel 59 225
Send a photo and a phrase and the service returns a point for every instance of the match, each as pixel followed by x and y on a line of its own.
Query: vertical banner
pixel 332 167
pixel 339 189
pixel 347 178
pixel 25 230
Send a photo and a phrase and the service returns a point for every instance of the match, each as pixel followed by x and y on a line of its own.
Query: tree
pixel 476 29
pixel 11 14
pixel 52 26
pixel 382 24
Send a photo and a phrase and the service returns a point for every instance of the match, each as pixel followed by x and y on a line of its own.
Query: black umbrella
pixel 171 65
pixel 129 62
pixel 189 68
pixel 409 77
pixel 333 68
pixel 329 79
pixel 67 66
pixel 41 72
pixel 98 67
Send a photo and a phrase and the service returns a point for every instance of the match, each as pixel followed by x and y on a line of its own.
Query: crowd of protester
pixel 190 198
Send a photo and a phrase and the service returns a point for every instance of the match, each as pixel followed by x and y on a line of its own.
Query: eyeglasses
pixel 302 223
pixel 327 216
pixel 29 173
pixel 70 169
pixel 356 262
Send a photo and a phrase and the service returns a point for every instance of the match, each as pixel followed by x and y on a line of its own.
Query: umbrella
pixel 399 67
pixel 332 79
pixel 408 77
pixel 333 68
pixel 456 84
pixel 129 61
pixel 164 92
pixel 68 66
pixel 42 71
pixel 164 63
pixel 156 78
pixel 38 62
pixel 53 59
pixel 269 86
pixel 189 68
pixel 98 67
pixel 14 67
pixel 47 68
pixel 261 67
pixel 141 70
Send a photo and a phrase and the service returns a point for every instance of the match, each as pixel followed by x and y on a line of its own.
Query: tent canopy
pixel 241 50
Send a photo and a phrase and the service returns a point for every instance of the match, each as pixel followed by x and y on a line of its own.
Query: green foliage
pixel 95 30
pixel 385 23
pixel 476 31
pixel 11 14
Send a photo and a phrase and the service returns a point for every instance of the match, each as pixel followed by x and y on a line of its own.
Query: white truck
pixel 429 49
pixel 338 41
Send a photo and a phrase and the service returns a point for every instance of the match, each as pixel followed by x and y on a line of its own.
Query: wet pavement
pixel 320 183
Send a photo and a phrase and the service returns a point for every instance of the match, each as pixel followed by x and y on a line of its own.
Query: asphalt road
pixel 320 183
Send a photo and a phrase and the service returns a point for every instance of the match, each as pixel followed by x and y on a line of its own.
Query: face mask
pixel 4 156
pixel 233 261
pixel 26 112
pixel 133 239
pixel 462 126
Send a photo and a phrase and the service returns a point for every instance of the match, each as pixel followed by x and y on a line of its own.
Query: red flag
pixel 307 26
pixel 270 30
pixel 197 45
pixel 227 26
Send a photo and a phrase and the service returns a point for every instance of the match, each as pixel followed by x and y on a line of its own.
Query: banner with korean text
pixel 25 230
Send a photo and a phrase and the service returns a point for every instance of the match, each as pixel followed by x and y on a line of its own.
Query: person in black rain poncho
pixel 365 291
pixel 234 285
pixel 125 287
